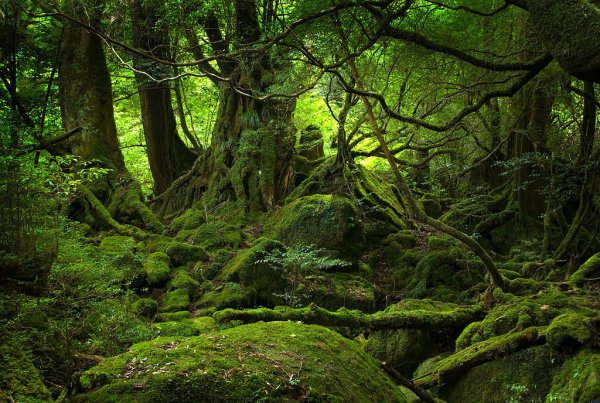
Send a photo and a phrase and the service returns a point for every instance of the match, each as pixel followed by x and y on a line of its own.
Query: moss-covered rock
pixel 173 316
pixel 326 221
pixel 517 313
pixel 278 361
pixel 431 205
pixel 525 376
pixel 228 295
pixel 569 331
pixel 20 380
pixel 183 280
pixel 182 253
pixel 404 349
pixel 118 244
pixel 248 269
pixel 191 219
pixel 578 379
pixel 586 272
pixel 216 235
pixel 156 267
pixel 146 307
pixel 178 300
pixel 337 290
pixel 187 327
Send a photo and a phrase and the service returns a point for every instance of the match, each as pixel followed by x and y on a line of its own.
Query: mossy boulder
pixel 571 331
pixel 586 272
pixel 228 295
pixel 156 267
pixel 173 316
pixel 20 380
pixel 514 313
pixel 118 244
pixel 248 269
pixel 191 219
pixel 216 235
pixel 187 327
pixel 525 376
pixel 146 307
pixel 431 205
pixel 182 280
pixel 404 349
pixel 182 253
pixel 578 379
pixel 338 290
pixel 178 300
pixel 279 361
pixel 328 222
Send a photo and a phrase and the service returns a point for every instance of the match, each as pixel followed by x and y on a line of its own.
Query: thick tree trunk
pixel 168 155
pixel 251 157
pixel 86 93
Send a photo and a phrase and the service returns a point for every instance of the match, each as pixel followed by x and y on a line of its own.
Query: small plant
pixel 297 262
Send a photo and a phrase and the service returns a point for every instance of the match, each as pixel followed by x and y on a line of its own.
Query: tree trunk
pixel 168 155
pixel 86 92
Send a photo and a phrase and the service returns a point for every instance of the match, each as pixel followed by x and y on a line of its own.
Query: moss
pixel 578 379
pixel 155 243
pixel 590 269
pixel 453 366
pixel 326 221
pixel 187 327
pixel 517 313
pixel 570 330
pixel 191 219
pixel 405 239
pixel 435 242
pixel 247 269
pixel 266 361
pixel 217 235
pixel 182 253
pixel 173 301
pixel 524 376
pixel 229 295
pixel 336 290
pixel 118 244
pixel 173 316
pixel 145 307
pixel 464 339
pixel 20 380
pixel 403 349
pixel 156 267
pixel 431 205
pixel 182 280
pixel 441 274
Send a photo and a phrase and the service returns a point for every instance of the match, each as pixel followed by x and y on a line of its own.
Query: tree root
pixel 453 366
pixel 414 319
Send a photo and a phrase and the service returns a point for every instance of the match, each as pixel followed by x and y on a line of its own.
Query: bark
pixel 86 92
pixel 168 155
pixel 250 159
pixel 417 319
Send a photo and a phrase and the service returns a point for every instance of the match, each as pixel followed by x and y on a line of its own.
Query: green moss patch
pixel 156 267
pixel 182 253
pixel 117 244
pixel 178 300
pixel 279 361
pixel 578 379
pixel 326 221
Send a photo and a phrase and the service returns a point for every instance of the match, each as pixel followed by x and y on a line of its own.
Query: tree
pixel 168 155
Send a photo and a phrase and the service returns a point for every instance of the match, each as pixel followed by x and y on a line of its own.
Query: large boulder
pixel 278 361
pixel 328 222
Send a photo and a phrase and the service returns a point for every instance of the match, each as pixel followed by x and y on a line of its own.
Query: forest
pixel 299 200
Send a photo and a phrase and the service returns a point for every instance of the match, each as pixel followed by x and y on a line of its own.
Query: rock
pixel 328 222
pixel 279 361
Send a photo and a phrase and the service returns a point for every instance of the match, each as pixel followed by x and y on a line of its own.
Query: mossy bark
pixel 168 155
pixel 414 319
